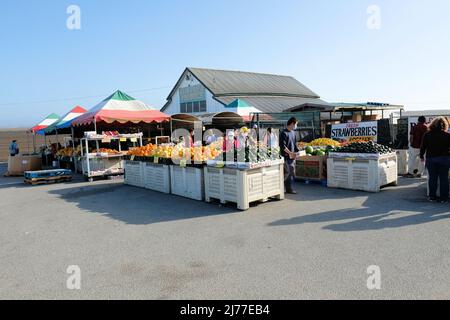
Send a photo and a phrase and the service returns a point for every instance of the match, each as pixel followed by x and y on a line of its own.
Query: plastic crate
pixel 187 182
pixel 362 172
pixel 244 186
pixel 156 177
pixel 134 173
pixel 402 161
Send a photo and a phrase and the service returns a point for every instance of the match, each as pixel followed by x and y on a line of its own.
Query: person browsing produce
pixel 288 148
pixel 436 146
pixel 415 166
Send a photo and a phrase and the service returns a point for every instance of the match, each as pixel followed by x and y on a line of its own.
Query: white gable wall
pixel 212 105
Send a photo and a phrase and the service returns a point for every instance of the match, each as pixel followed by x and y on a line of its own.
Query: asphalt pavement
pixel 130 243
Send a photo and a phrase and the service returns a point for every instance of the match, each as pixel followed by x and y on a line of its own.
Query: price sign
pixel 156 160
pixel 132 158
pixel 123 139
pixel 133 139
pixel 183 163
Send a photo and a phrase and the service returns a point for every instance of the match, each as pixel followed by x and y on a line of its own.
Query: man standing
pixel 415 166
pixel 13 148
pixel 288 149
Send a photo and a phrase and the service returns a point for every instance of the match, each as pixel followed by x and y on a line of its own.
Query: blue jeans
pixel 438 170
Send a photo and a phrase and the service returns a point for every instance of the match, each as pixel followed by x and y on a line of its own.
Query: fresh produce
pixel 324 142
pixel 178 152
pixel 69 152
pixel 197 153
pixel 364 147
pixel 144 151
pixel 309 150
pixel 105 150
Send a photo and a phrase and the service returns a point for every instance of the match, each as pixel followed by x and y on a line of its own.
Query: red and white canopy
pixel 120 107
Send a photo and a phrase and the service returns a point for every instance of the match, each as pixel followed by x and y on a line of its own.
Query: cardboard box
pixel 357 118
pixel 20 163
pixel 374 117
pixel 311 167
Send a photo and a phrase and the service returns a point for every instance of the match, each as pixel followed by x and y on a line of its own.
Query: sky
pixel 142 47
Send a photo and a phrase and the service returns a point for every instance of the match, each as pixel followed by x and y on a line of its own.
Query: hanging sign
pixel 367 131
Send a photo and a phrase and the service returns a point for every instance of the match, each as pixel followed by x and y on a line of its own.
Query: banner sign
pixel 366 131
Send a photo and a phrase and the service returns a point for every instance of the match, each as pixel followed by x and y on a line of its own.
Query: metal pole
pixel 34 142
pixel 170 129
pixel 73 137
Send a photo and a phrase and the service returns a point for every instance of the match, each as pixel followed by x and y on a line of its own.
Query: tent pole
pixel 34 142
pixel 73 137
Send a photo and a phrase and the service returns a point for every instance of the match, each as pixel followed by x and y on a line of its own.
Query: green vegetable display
pixel 364 147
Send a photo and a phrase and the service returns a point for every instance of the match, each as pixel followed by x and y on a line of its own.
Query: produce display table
pixel 366 172
pixel 134 173
pixel 100 164
pixel 187 182
pixel 95 165
pixel 148 175
pixel 243 186
pixel 156 177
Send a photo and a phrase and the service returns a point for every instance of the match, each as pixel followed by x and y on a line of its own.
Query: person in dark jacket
pixel 415 166
pixel 436 147
pixel 288 149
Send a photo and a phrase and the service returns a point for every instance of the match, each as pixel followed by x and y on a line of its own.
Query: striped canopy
pixel 48 121
pixel 122 108
pixel 241 108
pixel 65 121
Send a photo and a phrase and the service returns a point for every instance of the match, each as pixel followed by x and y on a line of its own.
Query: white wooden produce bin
pixel 134 173
pixel 402 161
pixel 156 177
pixel 366 172
pixel 244 186
pixel 187 182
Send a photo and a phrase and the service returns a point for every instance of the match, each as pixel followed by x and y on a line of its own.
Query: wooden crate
pixel 362 172
pixel 187 182
pixel 134 173
pixel 156 177
pixel 244 186
pixel 311 167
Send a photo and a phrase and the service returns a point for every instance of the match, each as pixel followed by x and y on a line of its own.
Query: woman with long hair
pixel 436 147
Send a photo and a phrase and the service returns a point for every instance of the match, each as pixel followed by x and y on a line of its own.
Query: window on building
pixel 203 106
pixel 189 107
pixel 193 107
pixel 196 106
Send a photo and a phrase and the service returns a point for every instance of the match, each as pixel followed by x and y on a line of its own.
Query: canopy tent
pixel 241 108
pixel 65 122
pixel 48 121
pixel 120 107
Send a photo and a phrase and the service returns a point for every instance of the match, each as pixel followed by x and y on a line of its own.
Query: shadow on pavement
pixel 135 205
pixel 394 207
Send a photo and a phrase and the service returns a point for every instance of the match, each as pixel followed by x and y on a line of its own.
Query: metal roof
pixel 417 113
pixel 224 82
pixel 273 103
